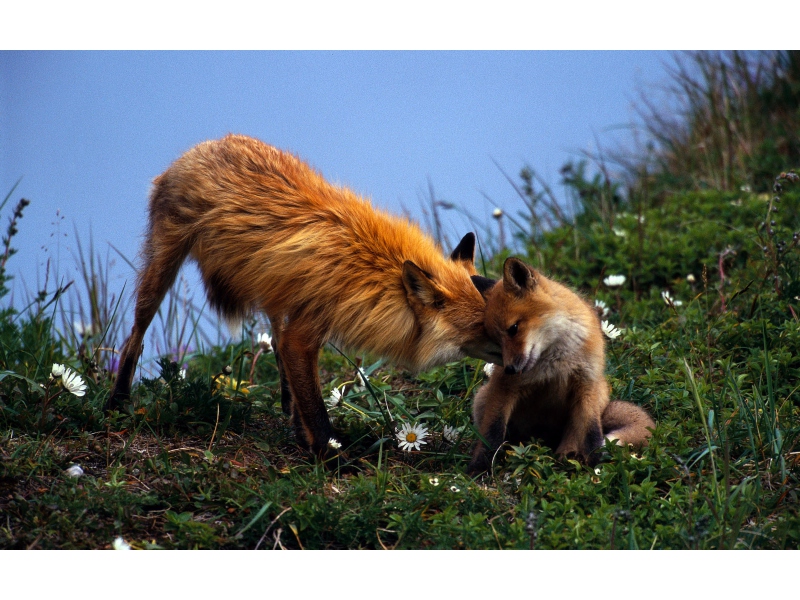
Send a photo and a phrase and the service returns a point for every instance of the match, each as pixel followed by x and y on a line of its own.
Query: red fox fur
pixel 270 234
pixel 553 385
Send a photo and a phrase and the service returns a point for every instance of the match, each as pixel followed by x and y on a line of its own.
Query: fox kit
pixel 553 385
pixel 269 233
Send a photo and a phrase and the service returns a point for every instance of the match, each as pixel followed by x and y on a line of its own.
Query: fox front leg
pixel 491 416
pixel 286 394
pixel 583 434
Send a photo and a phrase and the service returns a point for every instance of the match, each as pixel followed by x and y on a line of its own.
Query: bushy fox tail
pixel 627 424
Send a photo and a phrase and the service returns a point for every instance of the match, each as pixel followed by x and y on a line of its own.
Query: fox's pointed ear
pixel 465 251
pixel 484 284
pixel 420 287
pixel 518 278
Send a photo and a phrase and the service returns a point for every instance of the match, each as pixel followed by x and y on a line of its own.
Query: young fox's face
pixel 534 327
pixel 450 318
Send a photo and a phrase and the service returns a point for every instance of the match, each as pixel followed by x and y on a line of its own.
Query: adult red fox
pixel 269 233
pixel 553 385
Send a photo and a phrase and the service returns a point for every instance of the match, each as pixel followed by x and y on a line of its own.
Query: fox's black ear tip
pixel 483 284
pixel 465 249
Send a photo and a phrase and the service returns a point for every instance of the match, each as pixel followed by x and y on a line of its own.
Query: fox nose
pixel 510 370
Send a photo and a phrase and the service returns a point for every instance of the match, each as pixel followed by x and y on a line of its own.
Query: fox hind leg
pixel 163 260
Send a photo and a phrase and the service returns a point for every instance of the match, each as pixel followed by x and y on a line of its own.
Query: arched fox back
pixel 270 234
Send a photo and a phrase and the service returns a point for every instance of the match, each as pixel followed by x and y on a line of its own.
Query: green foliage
pixel 206 459
pixel 726 120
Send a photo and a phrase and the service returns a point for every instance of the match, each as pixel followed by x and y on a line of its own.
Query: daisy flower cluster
pixel 71 381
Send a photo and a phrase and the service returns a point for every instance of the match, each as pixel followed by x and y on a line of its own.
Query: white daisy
pixel 74 471
pixel 601 307
pixel 454 489
pixel 73 382
pixel 360 385
pixel 265 341
pixel 334 444
pixel 120 544
pixel 57 370
pixel 451 434
pixel 610 331
pixel 488 368
pixel 614 280
pixel 669 300
pixel 334 398
pixel 434 481
pixel 409 437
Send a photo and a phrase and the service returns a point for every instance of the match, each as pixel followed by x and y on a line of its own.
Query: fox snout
pixel 520 362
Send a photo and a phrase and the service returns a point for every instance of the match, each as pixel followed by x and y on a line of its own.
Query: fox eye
pixel 512 331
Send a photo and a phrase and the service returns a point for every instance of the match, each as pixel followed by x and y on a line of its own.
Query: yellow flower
pixel 230 385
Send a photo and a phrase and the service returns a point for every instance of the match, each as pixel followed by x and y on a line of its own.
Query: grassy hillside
pixel 206 459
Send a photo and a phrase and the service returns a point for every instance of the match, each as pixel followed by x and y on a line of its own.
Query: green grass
pixel 204 462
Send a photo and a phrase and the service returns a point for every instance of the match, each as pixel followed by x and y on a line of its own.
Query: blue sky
pixel 88 131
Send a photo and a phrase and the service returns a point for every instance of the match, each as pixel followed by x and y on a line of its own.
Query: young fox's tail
pixel 627 424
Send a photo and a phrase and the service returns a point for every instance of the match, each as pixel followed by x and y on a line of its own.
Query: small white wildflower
pixel 690 278
pixel 409 437
pixel 454 489
pixel 451 434
pixel 619 232
pixel 182 373
pixel 488 368
pixel 434 481
pixel 57 370
pixel 73 382
pixel 611 332
pixel 601 307
pixel 360 384
pixel 614 280
pixel 641 218
pixel 497 213
pixel 74 471
pixel 82 329
pixel 265 341
pixel 120 544
pixel 334 444
pixel 669 300
pixel 334 398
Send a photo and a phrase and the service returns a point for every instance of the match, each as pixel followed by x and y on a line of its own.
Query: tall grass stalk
pixel 706 419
